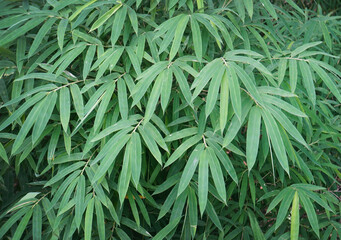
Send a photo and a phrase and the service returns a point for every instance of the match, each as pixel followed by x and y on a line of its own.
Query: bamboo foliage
pixel 169 119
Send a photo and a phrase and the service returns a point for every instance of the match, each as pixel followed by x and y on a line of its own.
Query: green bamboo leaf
pixel 80 9
pixel 133 19
pixel 276 139
pixel 257 231
pixel 21 30
pixel 154 97
pixel 77 100
pixel 327 80
pixel 203 181
pixel 269 7
pixel 88 60
pixel 20 53
pixel 124 179
pixel 61 32
pixel 33 100
pixel 192 211
pixel 3 153
pixel 304 47
pixel 100 219
pixel 79 200
pixel 182 148
pixel 213 91
pixel 22 225
pixel 283 209
pixel 99 22
pixel 308 81
pixel 243 191
pixel 136 157
pixel 13 219
pixel 249 7
pixel 217 174
pixel 44 115
pixel 283 105
pixel 69 57
pixel 224 101
pixel 62 173
pixel 293 74
pixel 179 32
pixel 196 35
pixel 37 220
pixel 103 106
pixel 282 67
pixel 88 219
pixel 166 230
pixel 190 168
pixel 295 218
pixel 286 123
pixel 26 127
pixel 326 34
pixel 166 88
pixel 118 24
pixel 183 83
pixel 64 103
pixel 311 212
pixel 151 144
pixel 110 157
pixel 40 35
pixel 252 138
pixel 115 127
pixel 213 216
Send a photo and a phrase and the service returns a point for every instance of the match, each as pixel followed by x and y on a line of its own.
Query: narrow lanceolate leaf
pixel 88 60
pixel 203 181
pixel 64 105
pixel 182 148
pixel 166 88
pixel 118 24
pixel 213 91
pixel 104 105
pixel 327 80
pixel 217 173
pixel 61 32
pixel 295 218
pixel 252 137
pixel 276 139
pixel 269 7
pixel 79 200
pixel 3 153
pixel 190 168
pixel 283 209
pixel 40 35
pixel 308 81
pixel 80 9
pixel 21 30
pixel 99 22
pixel 22 225
pixel 100 219
pixel 178 36
pixel 44 115
pixel 37 222
pixel 135 157
pixel 88 219
pixel 293 74
pixel 282 66
pixel 234 91
pixel 224 101
pixel 196 35
pixel 77 100
pixel 154 97
pixel 311 212
pixel 33 100
pixel 249 7
pixel 124 179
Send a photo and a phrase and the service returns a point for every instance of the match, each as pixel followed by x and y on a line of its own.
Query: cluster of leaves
pixel 169 119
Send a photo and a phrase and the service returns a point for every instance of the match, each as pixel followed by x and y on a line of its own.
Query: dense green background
pixel 173 119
